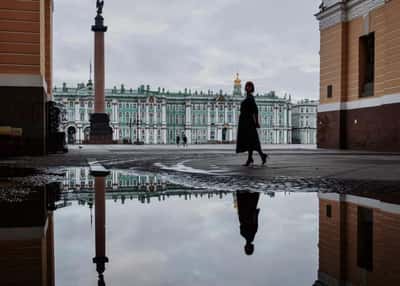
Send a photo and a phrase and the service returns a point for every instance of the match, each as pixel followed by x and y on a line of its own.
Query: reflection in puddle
pixel 122 185
pixel 47 237
pixel 359 239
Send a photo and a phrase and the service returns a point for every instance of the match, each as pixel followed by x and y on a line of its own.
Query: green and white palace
pixel 159 116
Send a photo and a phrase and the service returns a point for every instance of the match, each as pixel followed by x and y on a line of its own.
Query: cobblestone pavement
pixel 289 167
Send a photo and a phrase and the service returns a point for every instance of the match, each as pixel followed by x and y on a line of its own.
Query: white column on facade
pixel 155 117
pixel 117 119
pixel 113 112
pixel 188 122
pixel 164 135
pixel 164 122
pixel 86 112
pixel 77 111
pixel 115 134
pixel 114 179
pixel 78 135
pixel 235 122
pixel 164 114
pixel 208 122
pixel 234 114
pixel 285 117
pixel 290 123
pixel 146 136
pixel 216 115
pixel 225 113
pixel 147 122
pixel 147 115
pixel 273 116
pixel 77 176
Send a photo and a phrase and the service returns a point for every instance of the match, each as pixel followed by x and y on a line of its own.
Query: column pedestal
pixel 100 130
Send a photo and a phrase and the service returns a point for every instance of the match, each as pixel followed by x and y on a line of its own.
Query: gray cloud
pixel 194 44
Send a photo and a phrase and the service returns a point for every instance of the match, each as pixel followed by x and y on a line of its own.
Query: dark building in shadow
pixel 359 239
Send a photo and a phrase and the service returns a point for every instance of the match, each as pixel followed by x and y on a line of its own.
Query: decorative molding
pixel 361 201
pixel 22 80
pixel 360 103
pixel 336 12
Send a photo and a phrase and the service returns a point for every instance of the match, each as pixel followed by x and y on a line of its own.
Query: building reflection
pixel 122 185
pixel 27 236
pixel 359 239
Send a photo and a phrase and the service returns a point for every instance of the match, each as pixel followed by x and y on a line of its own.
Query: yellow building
pixel 26 68
pixel 360 75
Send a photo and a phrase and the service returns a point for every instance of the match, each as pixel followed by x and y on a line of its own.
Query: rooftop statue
pixel 99 6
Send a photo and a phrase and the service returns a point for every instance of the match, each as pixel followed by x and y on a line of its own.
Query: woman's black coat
pixel 247 136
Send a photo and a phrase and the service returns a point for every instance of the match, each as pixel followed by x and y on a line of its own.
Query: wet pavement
pixel 170 221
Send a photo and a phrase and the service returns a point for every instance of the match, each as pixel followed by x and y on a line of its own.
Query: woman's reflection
pixel 248 217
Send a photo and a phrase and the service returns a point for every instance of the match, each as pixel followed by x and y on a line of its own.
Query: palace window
pixel 366 65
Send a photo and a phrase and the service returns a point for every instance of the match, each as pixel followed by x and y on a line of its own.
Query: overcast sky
pixel 194 44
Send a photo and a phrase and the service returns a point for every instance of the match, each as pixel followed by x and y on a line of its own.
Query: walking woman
pixel 247 137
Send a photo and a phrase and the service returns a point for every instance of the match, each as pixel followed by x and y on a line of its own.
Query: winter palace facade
pixel 159 116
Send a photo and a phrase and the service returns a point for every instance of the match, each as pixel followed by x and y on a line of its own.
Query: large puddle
pixel 134 228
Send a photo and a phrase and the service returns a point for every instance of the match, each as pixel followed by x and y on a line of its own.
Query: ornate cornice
pixel 335 12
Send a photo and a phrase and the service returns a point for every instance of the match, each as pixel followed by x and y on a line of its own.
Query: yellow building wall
pixel 332 55
pixel 20 44
pixel 339 54
pixel 392 51
pixel 26 38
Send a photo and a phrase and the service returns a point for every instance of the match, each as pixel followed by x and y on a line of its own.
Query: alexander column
pixel 100 130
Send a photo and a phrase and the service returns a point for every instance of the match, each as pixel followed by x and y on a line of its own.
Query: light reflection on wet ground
pixel 174 228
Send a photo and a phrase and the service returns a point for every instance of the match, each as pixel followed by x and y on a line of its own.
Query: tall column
pixel 99 71
pixel 100 130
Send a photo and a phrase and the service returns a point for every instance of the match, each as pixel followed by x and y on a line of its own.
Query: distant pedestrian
pixel 184 138
pixel 247 137
pixel 178 140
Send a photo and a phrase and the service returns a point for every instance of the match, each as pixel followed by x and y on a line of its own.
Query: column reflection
pixel 100 225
